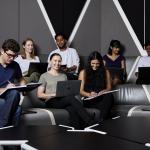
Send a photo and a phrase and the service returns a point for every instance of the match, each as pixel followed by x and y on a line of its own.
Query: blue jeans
pixel 9 108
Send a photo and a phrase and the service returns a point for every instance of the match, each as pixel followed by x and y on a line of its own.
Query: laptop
pixel 143 75
pixel 68 88
pixel 40 67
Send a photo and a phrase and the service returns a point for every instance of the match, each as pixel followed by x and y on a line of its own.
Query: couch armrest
pixel 130 94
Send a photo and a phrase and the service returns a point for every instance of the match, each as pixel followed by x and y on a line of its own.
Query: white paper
pixel 89 98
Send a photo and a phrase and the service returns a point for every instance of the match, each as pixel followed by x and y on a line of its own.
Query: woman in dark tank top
pixel 95 80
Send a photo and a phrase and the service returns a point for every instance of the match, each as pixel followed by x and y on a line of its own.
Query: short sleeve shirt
pixel 10 73
pixel 49 81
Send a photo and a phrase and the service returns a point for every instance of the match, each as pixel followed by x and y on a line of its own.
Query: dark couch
pixel 36 113
pixel 129 101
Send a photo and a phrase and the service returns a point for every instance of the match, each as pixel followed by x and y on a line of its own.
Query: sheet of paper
pixel 89 98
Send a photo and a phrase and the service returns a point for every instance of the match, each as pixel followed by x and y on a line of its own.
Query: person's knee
pixel 13 95
pixel 34 77
pixel 70 98
pixel 109 99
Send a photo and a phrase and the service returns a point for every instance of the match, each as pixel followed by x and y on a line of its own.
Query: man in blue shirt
pixel 10 72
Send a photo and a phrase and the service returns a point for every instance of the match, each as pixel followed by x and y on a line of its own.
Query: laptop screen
pixel 68 88
pixel 144 75
pixel 37 67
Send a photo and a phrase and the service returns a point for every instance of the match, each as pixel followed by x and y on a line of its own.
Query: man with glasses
pixel 10 73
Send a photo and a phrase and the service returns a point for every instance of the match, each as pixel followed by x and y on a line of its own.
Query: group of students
pixel 95 80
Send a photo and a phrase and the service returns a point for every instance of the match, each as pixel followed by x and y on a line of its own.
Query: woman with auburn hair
pixel 24 60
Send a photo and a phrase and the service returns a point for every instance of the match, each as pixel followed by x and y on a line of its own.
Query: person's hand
pixel 10 85
pixel 92 94
pixel 73 68
pixel 53 95
pixel 50 96
pixel 64 69
pixel 102 92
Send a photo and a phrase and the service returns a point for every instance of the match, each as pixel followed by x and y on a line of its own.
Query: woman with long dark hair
pixel 95 80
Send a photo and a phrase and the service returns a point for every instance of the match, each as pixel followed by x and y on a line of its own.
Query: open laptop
pixel 143 75
pixel 39 67
pixel 68 88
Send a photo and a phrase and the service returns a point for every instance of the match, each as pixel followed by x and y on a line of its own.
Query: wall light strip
pixel 74 31
pixel 129 27
pixel 46 17
pixel 132 33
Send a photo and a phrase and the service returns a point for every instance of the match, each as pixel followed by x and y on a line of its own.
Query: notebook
pixel 112 91
pixel 68 88
pixel 37 67
pixel 143 75
pixel 22 88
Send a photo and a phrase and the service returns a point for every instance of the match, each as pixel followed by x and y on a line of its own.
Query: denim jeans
pixel 9 108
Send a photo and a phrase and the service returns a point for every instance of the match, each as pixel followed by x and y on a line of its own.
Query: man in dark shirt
pixel 10 72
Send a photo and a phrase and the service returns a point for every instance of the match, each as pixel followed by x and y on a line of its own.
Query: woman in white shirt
pixel 26 58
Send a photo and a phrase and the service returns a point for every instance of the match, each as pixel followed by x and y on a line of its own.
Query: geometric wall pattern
pixel 98 23
pixel 134 11
pixel 89 24
pixel 65 16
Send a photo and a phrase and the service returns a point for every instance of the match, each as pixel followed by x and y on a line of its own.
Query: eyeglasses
pixel 11 55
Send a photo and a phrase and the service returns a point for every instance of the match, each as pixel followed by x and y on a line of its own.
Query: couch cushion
pixel 123 110
pixel 50 116
pixel 31 100
pixel 141 111
pixel 62 116
pixel 130 110
pixel 37 116
pixel 130 94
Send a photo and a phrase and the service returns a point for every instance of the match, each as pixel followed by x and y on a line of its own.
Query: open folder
pixel 23 88
pixel 89 98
